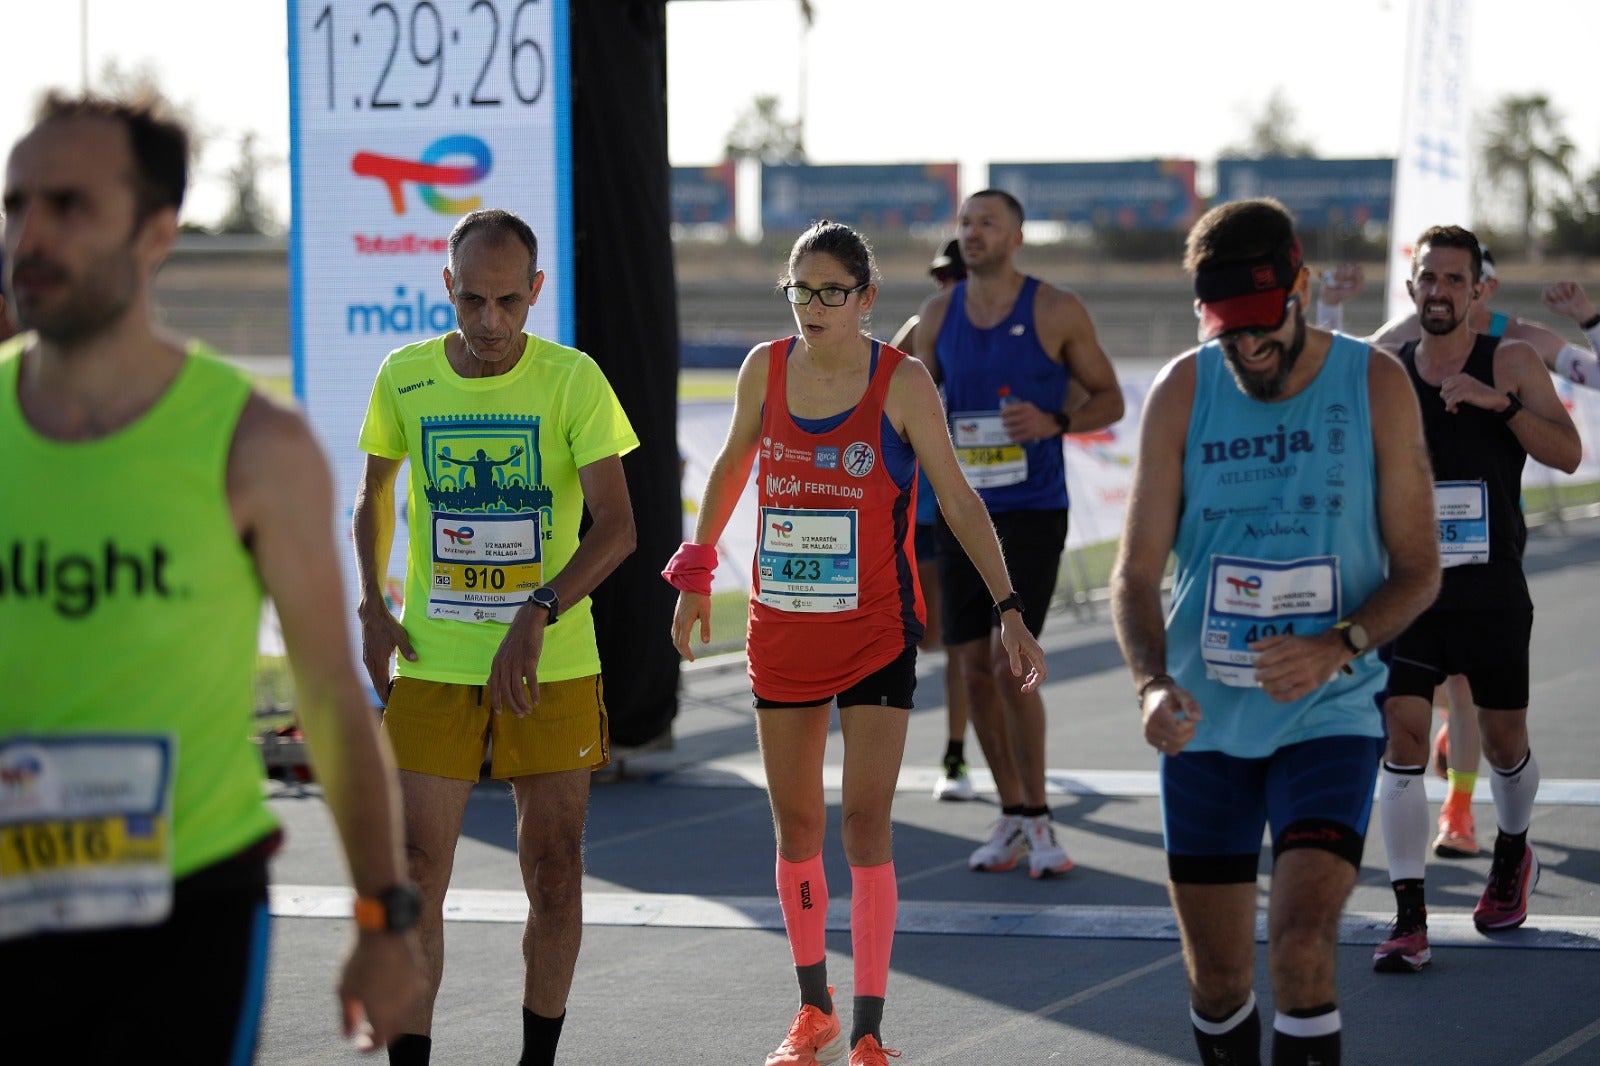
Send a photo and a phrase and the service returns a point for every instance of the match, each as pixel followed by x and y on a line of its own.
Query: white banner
pixel 1099 473
pixel 403 117
pixel 1432 168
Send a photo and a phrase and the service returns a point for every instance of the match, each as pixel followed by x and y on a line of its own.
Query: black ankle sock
pixel 410 1049
pixel 814 986
pixel 540 1035
pixel 1510 847
pixel 867 1018
pixel 955 752
pixel 1033 812
pixel 1409 901
pixel 1239 1046
pixel 1320 1050
pixel 1016 810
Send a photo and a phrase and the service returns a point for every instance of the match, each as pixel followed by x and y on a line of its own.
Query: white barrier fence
pixel 1099 473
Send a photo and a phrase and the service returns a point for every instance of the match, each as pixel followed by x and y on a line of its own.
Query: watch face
pixel 403 905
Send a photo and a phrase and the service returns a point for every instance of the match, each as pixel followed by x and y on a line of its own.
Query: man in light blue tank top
pixel 1285 466
pixel 1020 366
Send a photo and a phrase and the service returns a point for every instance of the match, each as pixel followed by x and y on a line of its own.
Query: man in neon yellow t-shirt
pixel 508 436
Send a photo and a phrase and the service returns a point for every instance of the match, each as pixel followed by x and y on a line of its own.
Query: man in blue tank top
pixel 1487 404
pixel 1285 467
pixel 1020 365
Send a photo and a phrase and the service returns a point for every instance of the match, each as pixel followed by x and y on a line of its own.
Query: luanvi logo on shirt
pixel 75 583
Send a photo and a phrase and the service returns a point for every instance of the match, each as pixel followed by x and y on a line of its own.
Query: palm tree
pixel 1523 142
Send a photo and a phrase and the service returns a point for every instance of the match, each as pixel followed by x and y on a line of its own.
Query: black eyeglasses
pixel 832 296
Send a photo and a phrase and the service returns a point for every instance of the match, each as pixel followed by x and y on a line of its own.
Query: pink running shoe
pixel 1504 904
pixel 1406 950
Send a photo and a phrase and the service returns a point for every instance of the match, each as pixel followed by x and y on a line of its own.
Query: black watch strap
pixel 1513 405
pixel 1063 420
pixel 1012 602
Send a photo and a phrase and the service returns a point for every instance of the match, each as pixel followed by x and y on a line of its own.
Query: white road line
pixel 1058 922
pixel 1120 784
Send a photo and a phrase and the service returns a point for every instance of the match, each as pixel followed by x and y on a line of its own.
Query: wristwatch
pixel 1513 405
pixel 1063 420
pixel 395 911
pixel 1354 635
pixel 1012 602
pixel 545 596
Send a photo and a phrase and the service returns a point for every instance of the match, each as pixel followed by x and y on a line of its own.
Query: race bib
pixel 1463 512
pixel 1248 599
pixel 85 833
pixel 987 456
pixel 485 565
pixel 808 561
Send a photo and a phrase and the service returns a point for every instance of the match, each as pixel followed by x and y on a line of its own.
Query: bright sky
pixel 893 81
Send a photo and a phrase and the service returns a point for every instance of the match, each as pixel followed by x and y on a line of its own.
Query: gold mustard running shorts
pixel 441 729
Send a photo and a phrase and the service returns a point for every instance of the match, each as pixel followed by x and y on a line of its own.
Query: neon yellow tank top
pixel 128 605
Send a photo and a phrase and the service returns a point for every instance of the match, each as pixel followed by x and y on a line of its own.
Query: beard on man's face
pixel 1269 384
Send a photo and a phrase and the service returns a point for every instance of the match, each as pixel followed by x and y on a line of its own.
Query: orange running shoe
pixel 868 1052
pixel 1458 835
pixel 813 1038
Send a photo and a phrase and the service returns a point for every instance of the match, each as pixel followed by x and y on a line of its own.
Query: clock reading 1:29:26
pixel 404 55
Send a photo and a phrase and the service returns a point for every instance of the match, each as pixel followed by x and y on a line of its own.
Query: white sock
pixel 1403 814
pixel 1514 791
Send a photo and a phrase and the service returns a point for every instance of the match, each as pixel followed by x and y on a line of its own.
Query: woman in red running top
pixel 840 422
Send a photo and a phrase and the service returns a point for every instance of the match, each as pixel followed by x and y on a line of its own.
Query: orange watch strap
pixel 371 915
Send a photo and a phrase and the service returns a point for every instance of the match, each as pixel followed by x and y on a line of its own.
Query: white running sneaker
pixel 1045 856
pixel 1005 846
pixel 953 783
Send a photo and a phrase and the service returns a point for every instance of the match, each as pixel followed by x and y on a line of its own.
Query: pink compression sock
pixel 874 899
pixel 803 895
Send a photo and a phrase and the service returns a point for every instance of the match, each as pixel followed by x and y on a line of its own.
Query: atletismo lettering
pixel 74 582
pixel 1272 447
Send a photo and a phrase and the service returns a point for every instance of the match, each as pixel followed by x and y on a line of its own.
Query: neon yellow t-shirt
pixel 493 498
pixel 128 623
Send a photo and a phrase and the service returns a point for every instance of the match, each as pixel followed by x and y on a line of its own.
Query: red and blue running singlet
pixel 834 595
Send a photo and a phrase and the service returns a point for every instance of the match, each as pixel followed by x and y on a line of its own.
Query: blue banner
pixel 1322 193
pixel 703 195
pixel 871 198
pixel 1150 194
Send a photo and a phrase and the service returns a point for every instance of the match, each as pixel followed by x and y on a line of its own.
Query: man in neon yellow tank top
pixel 508 437
pixel 151 498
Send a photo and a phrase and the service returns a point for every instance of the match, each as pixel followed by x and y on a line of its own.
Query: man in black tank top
pixel 1487 404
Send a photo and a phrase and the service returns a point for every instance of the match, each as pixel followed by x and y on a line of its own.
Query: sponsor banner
pixel 1150 194
pixel 404 117
pixel 1430 179
pixel 1099 473
pixel 1322 193
pixel 871 198
pixel 703 195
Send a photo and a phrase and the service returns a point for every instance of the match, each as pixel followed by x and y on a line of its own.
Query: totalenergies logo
pixel 428 171
pixel 459 536
pixel 1246 586
pixel 783 529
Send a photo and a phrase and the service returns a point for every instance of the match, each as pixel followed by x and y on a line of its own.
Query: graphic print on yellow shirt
pixel 489 510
